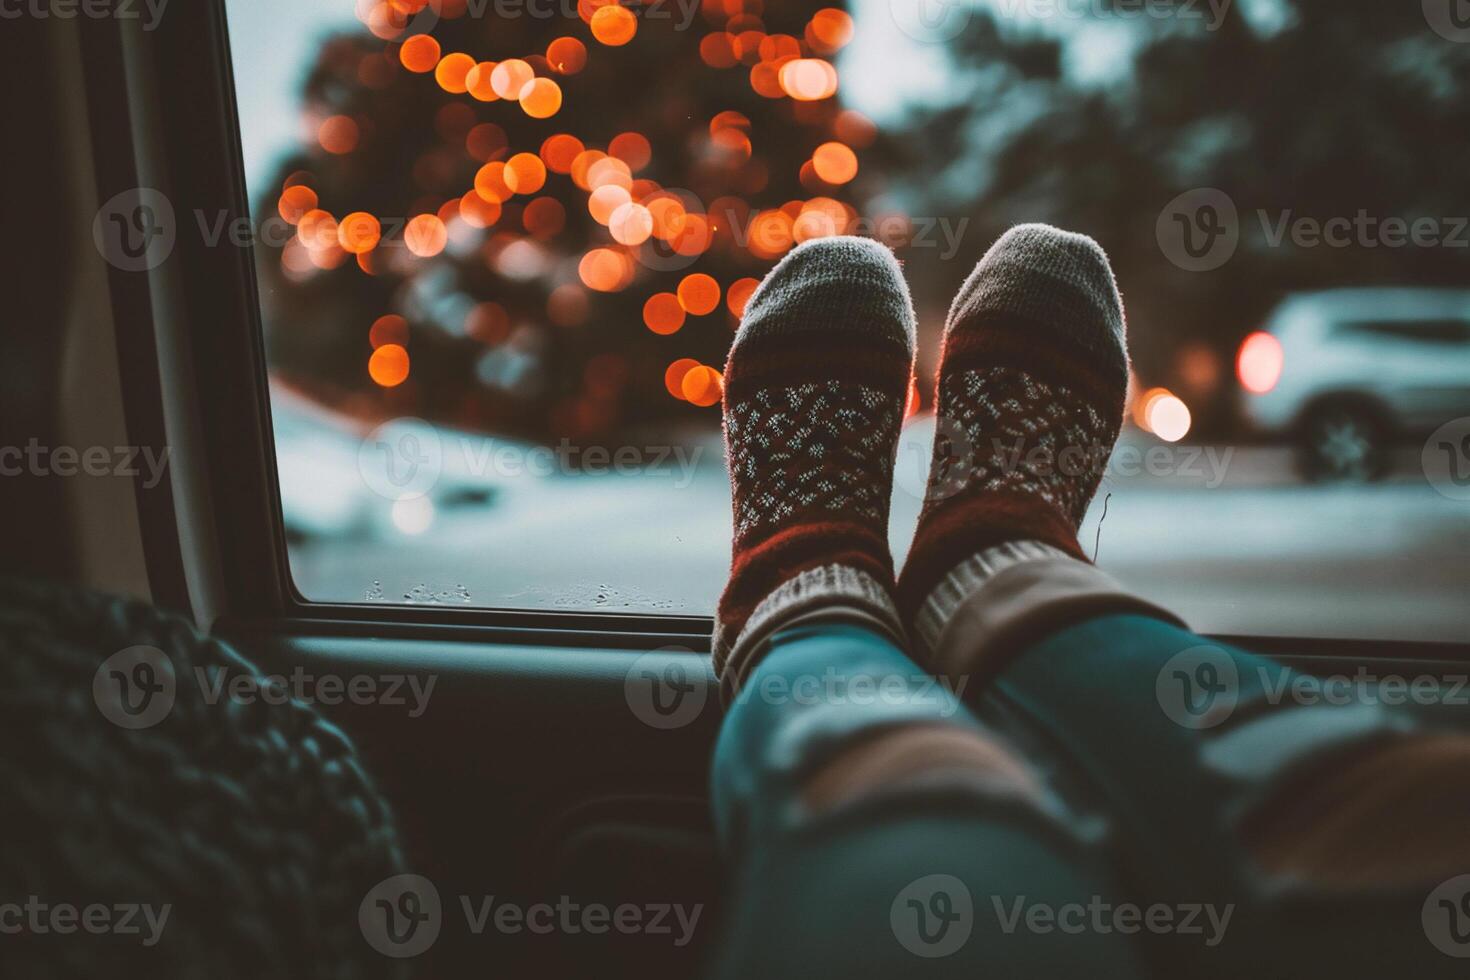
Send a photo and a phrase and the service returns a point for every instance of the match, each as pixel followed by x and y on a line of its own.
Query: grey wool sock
pixel 1032 382
pixel 815 389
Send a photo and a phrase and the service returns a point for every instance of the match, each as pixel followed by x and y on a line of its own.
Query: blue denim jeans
pixel 1153 743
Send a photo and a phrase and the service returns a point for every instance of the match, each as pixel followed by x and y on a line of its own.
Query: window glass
pixel 503 245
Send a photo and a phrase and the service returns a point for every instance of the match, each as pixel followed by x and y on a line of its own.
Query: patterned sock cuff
pixel 836 592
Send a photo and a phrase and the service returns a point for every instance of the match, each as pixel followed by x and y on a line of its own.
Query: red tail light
pixel 1259 364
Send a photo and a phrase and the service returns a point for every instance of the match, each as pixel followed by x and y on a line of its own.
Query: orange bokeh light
pixel 510 77
pixel 630 224
pixel 544 217
pixel 525 173
pixel 610 170
pixel 295 202
pixel 559 151
pixel 491 182
pixel 702 386
pixel 388 329
pixel 452 71
pixel 808 79
pixel 663 314
pixel 317 229
pixel 419 54
pixel 478 82
pixel 359 232
pixel 388 366
pixel 606 199
pixel 614 25
pixel 581 164
pixel 566 55
pixel 632 149
pixel 718 50
pixel 541 98
pixel 605 270
pixel 338 134
pixel 835 163
pixel 739 293
pixel 699 293
pixel 674 375
pixel 477 212
pixel 829 30
pixel 426 236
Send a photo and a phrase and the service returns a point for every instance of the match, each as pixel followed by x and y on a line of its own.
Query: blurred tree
pixel 535 324
pixel 1309 108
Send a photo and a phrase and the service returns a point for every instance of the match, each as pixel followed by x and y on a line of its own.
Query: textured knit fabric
pixel 994 604
pixel 815 388
pixel 1030 399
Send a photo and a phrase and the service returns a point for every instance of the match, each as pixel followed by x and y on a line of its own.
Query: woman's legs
pixel 877 830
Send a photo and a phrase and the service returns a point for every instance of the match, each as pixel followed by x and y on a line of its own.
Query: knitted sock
pixel 815 389
pixel 1032 382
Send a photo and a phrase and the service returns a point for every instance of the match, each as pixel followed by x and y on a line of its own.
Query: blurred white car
pixel 1348 373
pixel 341 479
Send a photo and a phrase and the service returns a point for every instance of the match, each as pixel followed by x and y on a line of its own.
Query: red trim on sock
pixel 953 530
pixel 757 569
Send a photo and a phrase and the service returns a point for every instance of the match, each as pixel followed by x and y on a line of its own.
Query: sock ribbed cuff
pixel 838 592
pixel 968 578
pixel 991 604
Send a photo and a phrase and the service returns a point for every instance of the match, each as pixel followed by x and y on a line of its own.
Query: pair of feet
pixel 1032 383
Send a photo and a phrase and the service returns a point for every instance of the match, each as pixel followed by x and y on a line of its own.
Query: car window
pixel 502 249
pixel 1422 331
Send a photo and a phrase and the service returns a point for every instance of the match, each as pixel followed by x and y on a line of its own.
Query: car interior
pixel 530 775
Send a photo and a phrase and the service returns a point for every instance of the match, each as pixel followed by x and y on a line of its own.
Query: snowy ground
pixel 1227 537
